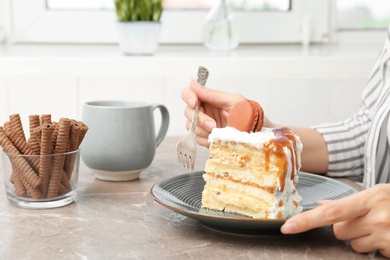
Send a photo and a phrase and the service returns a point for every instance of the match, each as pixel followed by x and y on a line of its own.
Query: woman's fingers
pixel 189 97
pixel 215 98
pixel 363 218
pixel 202 141
pixel 385 252
pixel 213 111
pixel 353 228
pixel 327 214
pixel 364 244
pixel 204 121
pixel 199 131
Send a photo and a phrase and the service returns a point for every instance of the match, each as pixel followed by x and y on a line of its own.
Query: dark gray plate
pixel 183 194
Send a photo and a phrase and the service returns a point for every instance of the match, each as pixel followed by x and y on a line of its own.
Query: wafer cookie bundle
pixel 42 166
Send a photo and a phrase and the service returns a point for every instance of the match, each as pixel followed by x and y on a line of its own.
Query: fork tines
pixel 185 158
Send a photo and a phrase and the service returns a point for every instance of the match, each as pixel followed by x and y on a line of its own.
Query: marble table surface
pixel 120 220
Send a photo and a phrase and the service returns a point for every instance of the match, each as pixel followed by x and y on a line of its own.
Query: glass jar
pixel 220 32
pixel 41 181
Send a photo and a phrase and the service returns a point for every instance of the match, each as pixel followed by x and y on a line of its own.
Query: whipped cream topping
pixel 228 133
pixel 286 190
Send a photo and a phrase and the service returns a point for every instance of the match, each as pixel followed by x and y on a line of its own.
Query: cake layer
pixel 224 193
pixel 226 184
pixel 227 203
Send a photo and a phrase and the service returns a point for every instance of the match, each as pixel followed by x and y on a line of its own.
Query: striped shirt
pixel 358 146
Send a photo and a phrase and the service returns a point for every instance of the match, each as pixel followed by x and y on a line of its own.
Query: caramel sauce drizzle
pixel 284 137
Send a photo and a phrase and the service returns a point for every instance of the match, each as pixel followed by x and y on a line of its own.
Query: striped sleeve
pixel 345 142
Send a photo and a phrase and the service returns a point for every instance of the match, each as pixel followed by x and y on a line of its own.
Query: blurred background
pixel 305 61
pixel 351 14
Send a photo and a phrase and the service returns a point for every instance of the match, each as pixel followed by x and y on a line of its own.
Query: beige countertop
pixel 112 220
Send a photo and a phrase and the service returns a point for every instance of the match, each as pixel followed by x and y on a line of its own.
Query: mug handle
pixel 164 122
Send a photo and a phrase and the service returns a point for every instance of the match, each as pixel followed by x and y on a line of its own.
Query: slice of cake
pixel 253 173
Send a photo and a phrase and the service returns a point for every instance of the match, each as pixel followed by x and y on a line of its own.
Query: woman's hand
pixel 213 111
pixel 363 218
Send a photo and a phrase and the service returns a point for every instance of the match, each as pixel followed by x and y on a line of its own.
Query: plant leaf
pixel 139 10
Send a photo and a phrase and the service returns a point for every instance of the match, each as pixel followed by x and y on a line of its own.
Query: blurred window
pixel 248 5
pixel 363 14
pixel 258 21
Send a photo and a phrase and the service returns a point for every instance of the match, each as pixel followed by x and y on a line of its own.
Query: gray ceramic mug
pixel 121 140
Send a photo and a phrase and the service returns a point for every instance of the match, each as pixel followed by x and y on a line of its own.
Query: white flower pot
pixel 139 38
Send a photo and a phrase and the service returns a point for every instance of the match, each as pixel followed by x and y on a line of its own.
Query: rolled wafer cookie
pixel 62 190
pixel 33 192
pixel 35 139
pixel 83 131
pixel 59 160
pixel 33 161
pixel 65 182
pixel 2 135
pixel 19 162
pixel 45 161
pixel 16 138
pixel 34 122
pixel 15 133
pixel 55 133
pixel 16 124
pixel 73 145
pixel 20 190
pixel 45 119
pixel 7 128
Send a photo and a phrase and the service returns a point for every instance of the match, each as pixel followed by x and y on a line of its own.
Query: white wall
pixel 292 90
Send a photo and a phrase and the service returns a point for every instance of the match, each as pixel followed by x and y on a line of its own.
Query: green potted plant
pixel 139 25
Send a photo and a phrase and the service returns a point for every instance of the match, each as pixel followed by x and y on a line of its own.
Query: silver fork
pixel 186 146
